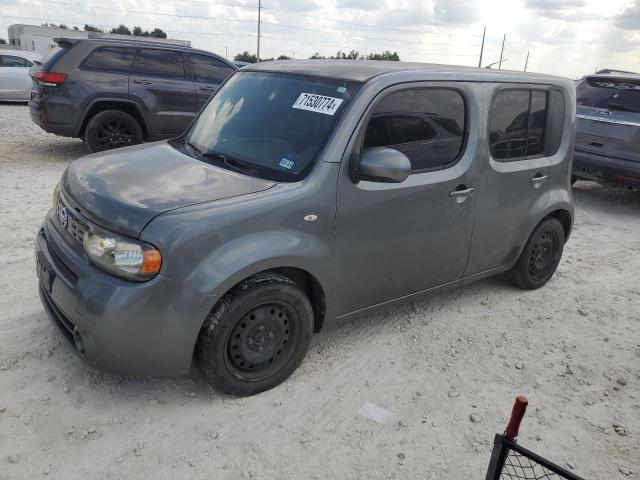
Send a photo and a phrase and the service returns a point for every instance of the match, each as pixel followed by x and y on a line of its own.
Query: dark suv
pixel 608 128
pixel 113 93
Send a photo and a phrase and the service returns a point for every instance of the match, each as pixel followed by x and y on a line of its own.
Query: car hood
pixel 125 189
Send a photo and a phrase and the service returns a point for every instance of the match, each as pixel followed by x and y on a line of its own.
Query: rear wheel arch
pixel 564 217
pixel 122 105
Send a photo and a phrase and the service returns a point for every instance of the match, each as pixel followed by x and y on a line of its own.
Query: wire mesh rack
pixel 510 461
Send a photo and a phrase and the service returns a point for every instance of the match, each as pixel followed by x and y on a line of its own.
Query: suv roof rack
pixel 69 42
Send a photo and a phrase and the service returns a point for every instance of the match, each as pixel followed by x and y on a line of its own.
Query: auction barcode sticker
pixel 317 103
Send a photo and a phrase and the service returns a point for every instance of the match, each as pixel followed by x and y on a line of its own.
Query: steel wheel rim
pixel 262 341
pixel 542 256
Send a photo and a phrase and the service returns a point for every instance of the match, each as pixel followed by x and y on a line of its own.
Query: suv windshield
pixel 609 93
pixel 270 125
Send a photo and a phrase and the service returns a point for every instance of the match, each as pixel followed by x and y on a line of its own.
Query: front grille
pixel 75 226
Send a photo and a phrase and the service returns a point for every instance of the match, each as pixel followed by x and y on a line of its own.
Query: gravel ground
pixel 572 347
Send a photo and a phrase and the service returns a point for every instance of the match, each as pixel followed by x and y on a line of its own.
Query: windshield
pixel 610 94
pixel 271 125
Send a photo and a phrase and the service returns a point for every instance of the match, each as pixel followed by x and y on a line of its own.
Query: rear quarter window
pixel 525 124
pixel 110 59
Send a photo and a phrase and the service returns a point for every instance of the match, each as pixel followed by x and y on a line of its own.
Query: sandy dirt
pixel 572 347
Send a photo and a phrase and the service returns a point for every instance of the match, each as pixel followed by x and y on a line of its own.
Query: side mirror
pixel 381 164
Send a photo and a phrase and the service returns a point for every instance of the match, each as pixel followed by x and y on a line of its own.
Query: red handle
pixel 519 407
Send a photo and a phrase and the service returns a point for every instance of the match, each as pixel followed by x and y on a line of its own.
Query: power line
pixel 196 17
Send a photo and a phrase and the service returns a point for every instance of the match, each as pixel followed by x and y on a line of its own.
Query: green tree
pixel 284 57
pixel 91 28
pixel 246 57
pixel 317 56
pixel 121 30
pixel 3 41
pixel 137 31
pixel 158 33
pixel 352 55
pixel 386 55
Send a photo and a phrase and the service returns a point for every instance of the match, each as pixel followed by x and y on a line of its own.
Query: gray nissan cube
pixel 305 193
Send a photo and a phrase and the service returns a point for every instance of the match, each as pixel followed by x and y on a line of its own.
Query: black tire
pixel 256 336
pixel 112 129
pixel 540 257
pixel 574 179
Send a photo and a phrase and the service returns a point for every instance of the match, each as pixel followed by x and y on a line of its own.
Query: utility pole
pixel 259 10
pixel 504 37
pixel 484 32
pixel 526 62
pixel 226 53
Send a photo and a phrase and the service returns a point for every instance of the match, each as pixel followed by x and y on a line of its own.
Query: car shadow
pixel 606 198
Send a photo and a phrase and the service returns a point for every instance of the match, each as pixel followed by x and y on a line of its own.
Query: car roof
pixel 139 43
pixel 365 70
pixel 23 54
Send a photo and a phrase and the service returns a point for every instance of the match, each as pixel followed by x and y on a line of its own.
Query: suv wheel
pixel 256 336
pixel 112 129
pixel 540 257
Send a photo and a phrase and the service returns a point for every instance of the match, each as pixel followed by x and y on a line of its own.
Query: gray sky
pixel 565 37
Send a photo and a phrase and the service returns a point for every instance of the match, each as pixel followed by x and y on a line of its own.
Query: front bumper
pixel 602 168
pixel 116 326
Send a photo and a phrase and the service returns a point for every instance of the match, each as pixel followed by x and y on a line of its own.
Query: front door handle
pixel 208 89
pixel 461 195
pixel 538 180
pixel 142 82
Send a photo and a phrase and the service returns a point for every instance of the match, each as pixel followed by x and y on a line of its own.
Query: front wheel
pixel 112 129
pixel 540 257
pixel 256 336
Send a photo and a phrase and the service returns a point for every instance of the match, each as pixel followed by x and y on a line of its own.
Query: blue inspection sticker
pixel 286 163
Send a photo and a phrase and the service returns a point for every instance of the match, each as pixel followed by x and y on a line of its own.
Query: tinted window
pixel 270 125
pixel 11 61
pixel 609 93
pixel 159 63
pixel 110 59
pixel 209 69
pixel 537 123
pixel 517 124
pixel 426 125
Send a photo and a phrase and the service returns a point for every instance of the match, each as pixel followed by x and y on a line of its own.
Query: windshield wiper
pixel 231 163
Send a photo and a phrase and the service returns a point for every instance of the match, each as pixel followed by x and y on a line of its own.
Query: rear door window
pixel 12 61
pixel 426 124
pixel 609 93
pixel 110 59
pixel 209 69
pixel 159 63
pixel 517 124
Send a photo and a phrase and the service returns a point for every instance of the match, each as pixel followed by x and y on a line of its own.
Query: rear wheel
pixel 540 257
pixel 256 336
pixel 112 129
pixel 574 179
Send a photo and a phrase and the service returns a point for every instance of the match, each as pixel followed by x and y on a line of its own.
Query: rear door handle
pixel 142 82
pixel 461 195
pixel 208 89
pixel 538 180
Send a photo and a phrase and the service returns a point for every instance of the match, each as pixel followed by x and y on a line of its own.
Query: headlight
pixel 121 256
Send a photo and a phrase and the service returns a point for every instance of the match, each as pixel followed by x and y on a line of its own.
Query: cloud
pixel 455 12
pixel 557 9
pixel 300 6
pixel 367 5
pixel 629 18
